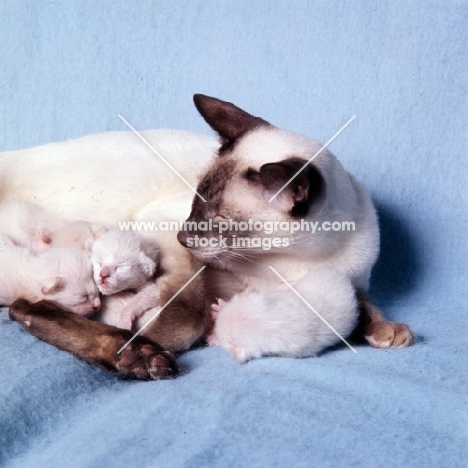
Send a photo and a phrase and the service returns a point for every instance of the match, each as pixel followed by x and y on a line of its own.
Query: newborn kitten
pixel 124 260
pixel 241 328
pixel 28 225
pixel 63 276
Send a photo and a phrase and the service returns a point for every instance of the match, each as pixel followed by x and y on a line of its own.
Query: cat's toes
pixel 389 335
pixel 145 361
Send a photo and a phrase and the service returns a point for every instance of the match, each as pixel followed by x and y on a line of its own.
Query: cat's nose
pixel 104 273
pixel 182 237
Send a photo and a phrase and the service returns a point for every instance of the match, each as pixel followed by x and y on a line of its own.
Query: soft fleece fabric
pixel 68 68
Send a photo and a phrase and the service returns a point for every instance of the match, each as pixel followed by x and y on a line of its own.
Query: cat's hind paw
pixel 389 335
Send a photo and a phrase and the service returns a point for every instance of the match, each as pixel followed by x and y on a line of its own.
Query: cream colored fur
pixel 115 177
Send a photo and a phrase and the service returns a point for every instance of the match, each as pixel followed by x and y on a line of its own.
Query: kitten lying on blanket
pixel 121 260
pixel 63 276
pixel 126 261
pixel 255 160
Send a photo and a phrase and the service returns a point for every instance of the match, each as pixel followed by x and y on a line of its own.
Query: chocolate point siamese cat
pixel 237 302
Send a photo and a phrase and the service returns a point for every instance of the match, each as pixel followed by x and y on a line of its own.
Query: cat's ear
pixel 228 120
pixel 300 186
pixel 51 285
pixel 148 265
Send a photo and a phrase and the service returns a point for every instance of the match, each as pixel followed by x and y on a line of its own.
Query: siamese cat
pixel 239 178
pixel 263 174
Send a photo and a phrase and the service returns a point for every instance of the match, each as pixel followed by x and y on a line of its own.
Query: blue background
pixel 67 68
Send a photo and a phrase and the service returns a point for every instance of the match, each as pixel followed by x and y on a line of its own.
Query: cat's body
pixel 114 173
pixel 127 182
pixel 125 260
pixel 325 268
pixel 63 276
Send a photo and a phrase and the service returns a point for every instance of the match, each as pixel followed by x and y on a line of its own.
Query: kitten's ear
pixel 305 187
pixel 225 118
pixel 51 285
pixel 89 245
pixel 148 265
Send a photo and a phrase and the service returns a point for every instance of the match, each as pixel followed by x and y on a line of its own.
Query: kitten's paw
pixel 215 308
pixel 389 335
pixel 145 361
pixel 238 353
pixel 125 323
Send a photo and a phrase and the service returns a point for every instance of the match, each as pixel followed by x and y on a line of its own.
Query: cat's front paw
pixel 389 335
pixel 144 361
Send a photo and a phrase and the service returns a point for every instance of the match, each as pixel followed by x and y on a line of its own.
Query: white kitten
pixel 254 324
pixel 29 225
pixel 63 276
pixel 125 260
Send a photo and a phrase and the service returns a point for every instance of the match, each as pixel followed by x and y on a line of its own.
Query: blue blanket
pixel 68 68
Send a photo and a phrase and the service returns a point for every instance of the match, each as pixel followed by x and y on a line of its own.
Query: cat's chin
pixel 207 256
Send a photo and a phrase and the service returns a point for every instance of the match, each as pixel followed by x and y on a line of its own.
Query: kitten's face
pixel 119 262
pixel 71 283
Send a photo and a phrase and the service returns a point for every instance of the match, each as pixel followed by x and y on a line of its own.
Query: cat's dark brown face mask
pixel 231 191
